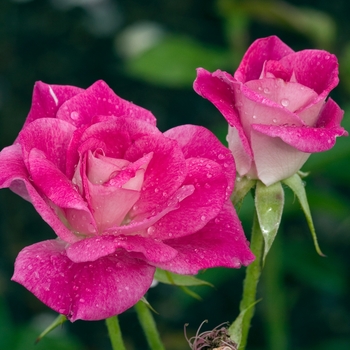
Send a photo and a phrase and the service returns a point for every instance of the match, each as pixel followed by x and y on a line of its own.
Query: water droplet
pixel 170 234
pixel 254 116
pixel 82 300
pixel 266 90
pixel 327 57
pixel 284 102
pixel 203 217
pixel 274 120
pixel 62 311
pixel 209 175
pixel 156 190
pixel 259 88
pixel 221 156
pixel 165 194
pixel 217 220
pixel 75 287
pixel 206 186
pixel 74 115
pixel 151 230
pixel 30 267
pixel 329 141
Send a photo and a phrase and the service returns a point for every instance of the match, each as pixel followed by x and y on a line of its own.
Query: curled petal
pixel 196 141
pixel 270 48
pixel 100 100
pixel 94 248
pixel 51 136
pixel 47 99
pixel 92 290
pixel 209 182
pixel 14 174
pixel 220 243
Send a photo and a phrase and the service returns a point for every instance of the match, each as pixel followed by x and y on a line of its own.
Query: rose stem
pixel 251 280
pixel 149 326
pixel 115 333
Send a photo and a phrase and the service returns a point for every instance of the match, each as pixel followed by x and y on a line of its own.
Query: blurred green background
pixel 147 51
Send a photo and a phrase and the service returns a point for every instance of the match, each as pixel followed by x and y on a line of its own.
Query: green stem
pixel 275 306
pixel 115 333
pixel 251 280
pixel 149 326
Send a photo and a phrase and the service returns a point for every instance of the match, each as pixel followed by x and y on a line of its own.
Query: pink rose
pixel 275 106
pixel 122 197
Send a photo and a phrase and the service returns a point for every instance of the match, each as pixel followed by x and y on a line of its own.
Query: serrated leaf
pixel 296 184
pixel 179 280
pixel 57 322
pixel 269 202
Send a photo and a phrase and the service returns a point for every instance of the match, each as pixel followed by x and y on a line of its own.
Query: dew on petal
pixel 266 90
pixel 221 156
pixel 203 217
pixel 151 230
pixel 284 102
pixel 274 120
pixel 74 115
pixel 254 116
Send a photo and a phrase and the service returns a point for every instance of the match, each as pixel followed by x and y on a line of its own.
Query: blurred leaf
pixel 326 274
pixel 314 24
pixel 6 330
pixel 174 60
pixel 25 340
pixel 179 280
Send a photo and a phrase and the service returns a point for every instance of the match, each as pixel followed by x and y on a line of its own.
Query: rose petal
pixel 218 88
pixel 261 50
pixel 315 69
pixel 148 249
pixel 196 141
pixel 97 100
pixel 274 159
pixel 197 209
pixel 47 99
pixel 93 290
pixel 165 172
pixel 13 174
pixel 291 96
pixel 51 136
pixel 308 139
pixel 220 243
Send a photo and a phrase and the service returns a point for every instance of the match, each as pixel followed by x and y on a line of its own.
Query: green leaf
pixel 269 202
pixel 57 322
pixel 179 280
pixel 174 60
pixel 235 330
pixel 296 184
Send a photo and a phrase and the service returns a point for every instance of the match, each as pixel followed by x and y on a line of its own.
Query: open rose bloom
pixel 276 107
pixel 122 197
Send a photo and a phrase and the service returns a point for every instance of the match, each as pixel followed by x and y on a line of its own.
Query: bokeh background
pixel 147 51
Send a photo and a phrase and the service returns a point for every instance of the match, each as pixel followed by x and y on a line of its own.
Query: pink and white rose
pixel 275 104
pixel 122 197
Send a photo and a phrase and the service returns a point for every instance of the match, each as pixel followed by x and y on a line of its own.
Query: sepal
pixel 269 202
pixel 296 184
